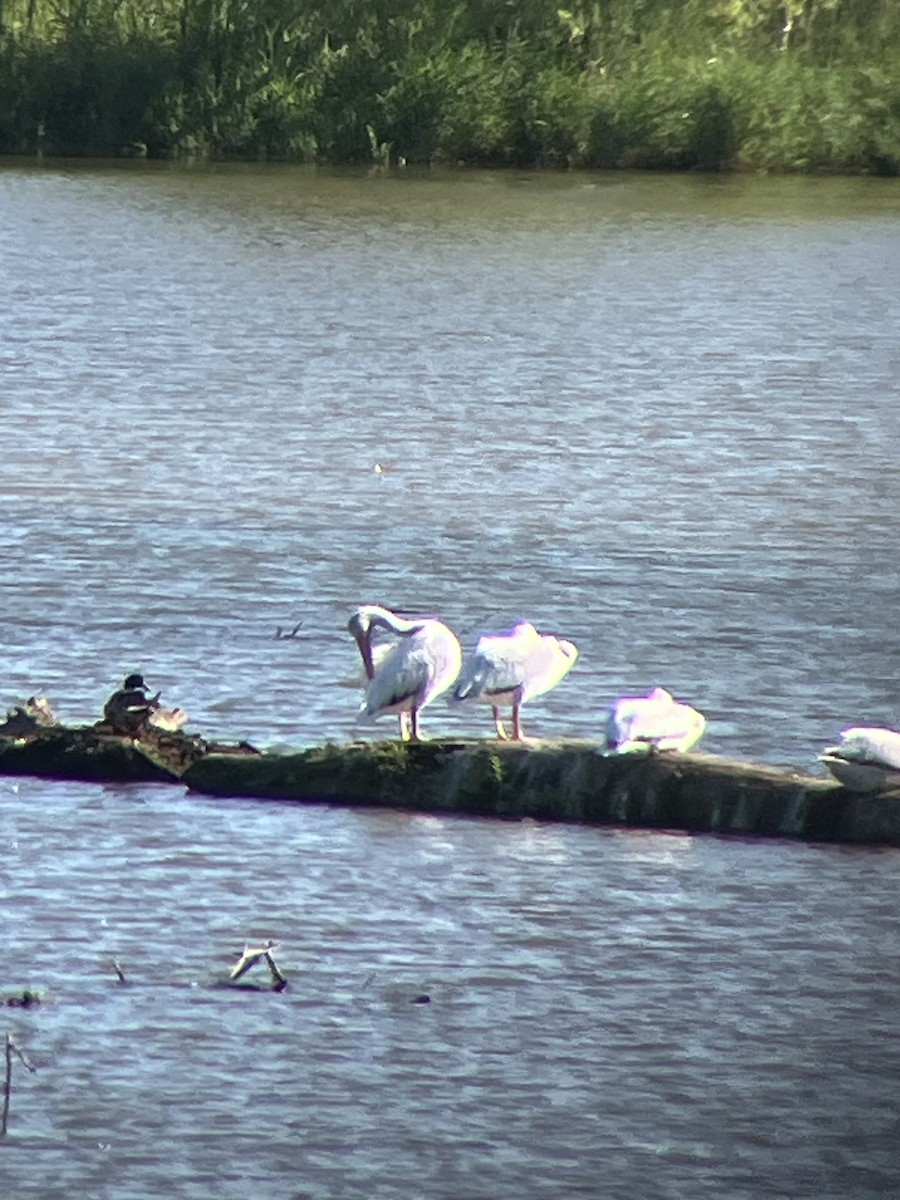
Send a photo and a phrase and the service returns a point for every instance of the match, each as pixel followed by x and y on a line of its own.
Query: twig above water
pixel 251 956
pixel 281 635
pixel 11 1049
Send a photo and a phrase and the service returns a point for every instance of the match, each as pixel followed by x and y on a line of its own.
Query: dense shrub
pixel 697 85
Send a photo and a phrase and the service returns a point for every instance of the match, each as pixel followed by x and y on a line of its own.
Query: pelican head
pixel 569 649
pixel 360 627
pixel 375 616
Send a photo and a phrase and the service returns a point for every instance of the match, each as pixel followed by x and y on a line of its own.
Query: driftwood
pixel 168 719
pixel 563 781
pixel 96 753
pixel 281 635
pixel 12 1050
pixel 247 960
pixel 254 954
pixel 27 718
pixel 141 742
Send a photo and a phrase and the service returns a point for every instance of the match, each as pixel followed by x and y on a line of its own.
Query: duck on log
pixel 98 754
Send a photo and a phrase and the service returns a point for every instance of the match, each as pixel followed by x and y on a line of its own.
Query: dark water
pixel 658 416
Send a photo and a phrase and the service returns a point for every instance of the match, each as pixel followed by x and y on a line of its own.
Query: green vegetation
pixel 793 85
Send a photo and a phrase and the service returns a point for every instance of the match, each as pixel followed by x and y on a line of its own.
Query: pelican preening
pixel 653 722
pixel 381 651
pixel 423 660
pixel 867 758
pixel 508 668
pixel 423 664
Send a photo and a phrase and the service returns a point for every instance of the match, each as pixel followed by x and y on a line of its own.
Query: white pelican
pixel 423 663
pixel 653 722
pixel 867 759
pixel 512 667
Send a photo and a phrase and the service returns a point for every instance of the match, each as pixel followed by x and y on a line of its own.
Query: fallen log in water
pixel 566 781
pixel 96 754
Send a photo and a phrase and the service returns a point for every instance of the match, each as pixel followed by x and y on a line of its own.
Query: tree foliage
pixel 705 84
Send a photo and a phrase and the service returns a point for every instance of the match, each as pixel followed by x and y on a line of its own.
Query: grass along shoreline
pixel 716 86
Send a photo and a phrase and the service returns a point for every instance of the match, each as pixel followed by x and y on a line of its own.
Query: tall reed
pixel 798 85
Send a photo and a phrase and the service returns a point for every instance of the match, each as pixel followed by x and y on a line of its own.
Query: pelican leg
pixel 414 725
pixel 404 726
pixel 518 736
pixel 501 732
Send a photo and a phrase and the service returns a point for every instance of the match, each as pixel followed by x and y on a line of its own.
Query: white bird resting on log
pixel 867 759
pixel 656 721
pixel 506 669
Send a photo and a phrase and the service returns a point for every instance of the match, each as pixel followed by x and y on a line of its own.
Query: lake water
pixel 656 415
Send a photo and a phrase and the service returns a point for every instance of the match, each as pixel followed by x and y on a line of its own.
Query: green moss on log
pixel 566 781
pixel 551 781
pixel 82 754
pixel 93 754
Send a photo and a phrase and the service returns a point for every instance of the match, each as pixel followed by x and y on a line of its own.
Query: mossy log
pixel 95 754
pixel 566 781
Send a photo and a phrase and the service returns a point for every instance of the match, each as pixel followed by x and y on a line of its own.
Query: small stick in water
pixel 11 1048
pixel 280 981
pixel 280 634
pixel 251 956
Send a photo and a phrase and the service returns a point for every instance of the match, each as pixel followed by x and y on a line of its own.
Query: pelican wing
pixel 421 666
pixel 398 682
pixel 859 776
pixel 495 668
pixel 444 656
pixel 653 720
pixel 548 661
pixel 515 665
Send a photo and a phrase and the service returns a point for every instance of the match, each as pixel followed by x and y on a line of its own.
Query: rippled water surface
pixel 659 416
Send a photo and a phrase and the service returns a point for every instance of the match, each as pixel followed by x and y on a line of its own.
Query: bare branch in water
pixel 11 1049
pixel 278 978
pixel 282 636
pixel 251 956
